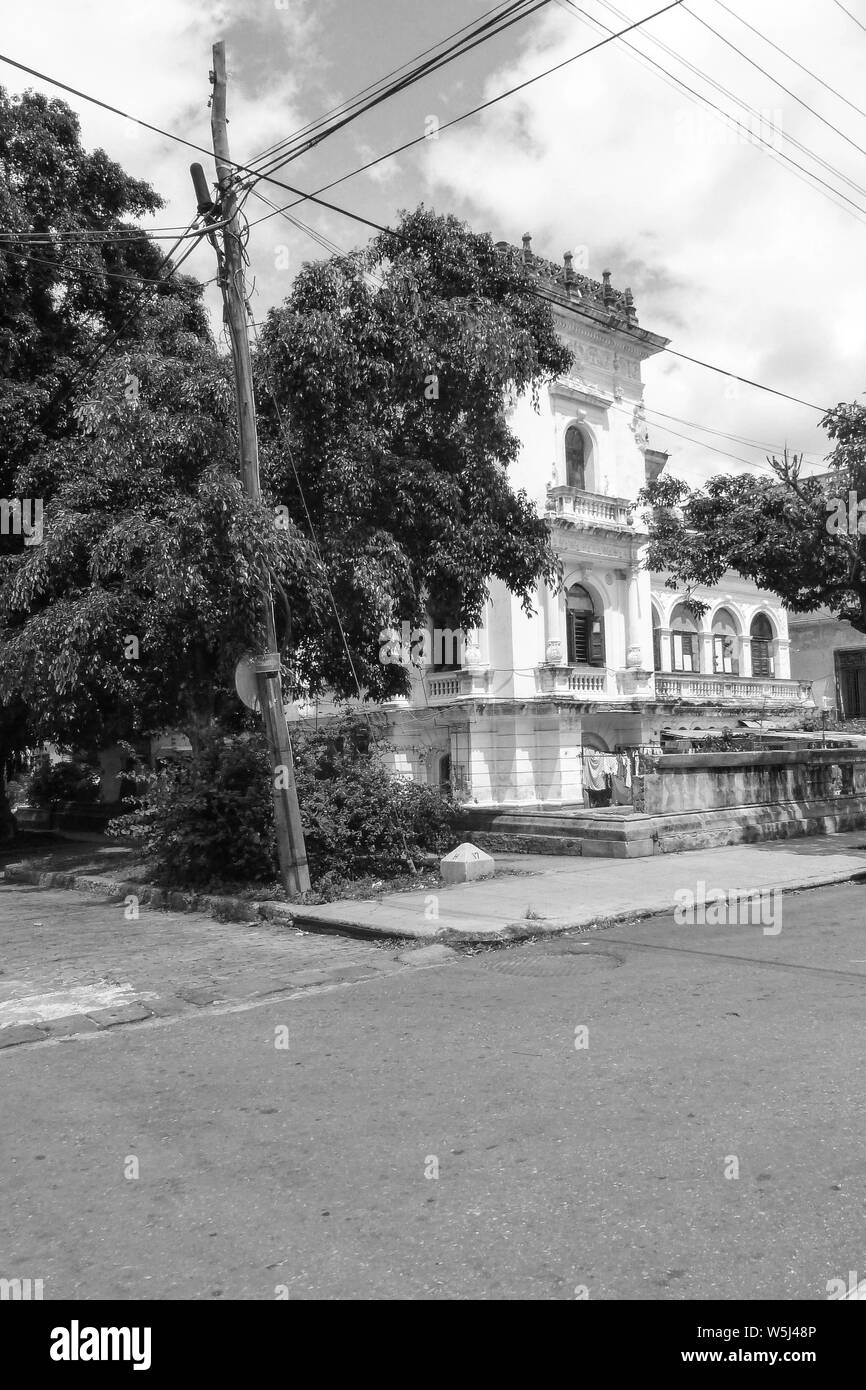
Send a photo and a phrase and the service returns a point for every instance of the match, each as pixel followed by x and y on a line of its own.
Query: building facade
pixel 517 711
pixel 831 656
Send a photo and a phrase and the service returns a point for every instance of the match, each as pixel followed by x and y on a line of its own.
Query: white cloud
pixel 729 254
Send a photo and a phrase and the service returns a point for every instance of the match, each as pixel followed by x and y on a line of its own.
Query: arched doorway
pixel 585 629
pixel 726 659
pixel 761 635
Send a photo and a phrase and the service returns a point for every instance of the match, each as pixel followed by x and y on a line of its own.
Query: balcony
pixel 740 690
pixel 583 682
pixel 571 506
pixel 440 687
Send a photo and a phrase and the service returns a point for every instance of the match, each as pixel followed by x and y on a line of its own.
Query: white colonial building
pixel 518 713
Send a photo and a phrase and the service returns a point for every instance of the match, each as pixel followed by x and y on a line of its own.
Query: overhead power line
pixel 759 385
pixel 791 59
pixel 753 133
pixel 97 270
pixel 850 15
pixel 770 78
pixel 315 197
pixel 120 236
pixel 483 106
pixel 721 434
pixel 372 86
pixel 513 13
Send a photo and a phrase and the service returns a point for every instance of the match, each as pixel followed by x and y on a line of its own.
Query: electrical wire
pixel 753 135
pixel 850 15
pixel 515 12
pixel 721 434
pixel 483 106
pixel 775 80
pixel 121 236
pixel 97 270
pixel 791 58
pixel 341 106
pixel 759 386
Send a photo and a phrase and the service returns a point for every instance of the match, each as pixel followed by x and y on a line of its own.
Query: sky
pixel 730 251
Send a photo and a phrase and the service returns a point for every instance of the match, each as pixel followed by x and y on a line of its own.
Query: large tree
pixel 799 537
pixel 146 588
pixel 71 259
pixel 382 387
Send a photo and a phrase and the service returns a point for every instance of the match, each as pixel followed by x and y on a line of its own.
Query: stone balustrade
pixel 573 506
pixel 684 685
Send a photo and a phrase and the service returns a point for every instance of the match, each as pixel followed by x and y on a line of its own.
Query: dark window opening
pixel 575 458
pixel 761 633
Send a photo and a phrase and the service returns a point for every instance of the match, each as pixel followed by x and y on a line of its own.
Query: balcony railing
pixel 686 685
pixel 442 687
pixel 573 506
pixel 584 682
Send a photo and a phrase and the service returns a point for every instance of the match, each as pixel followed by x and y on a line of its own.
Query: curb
pixel 250 913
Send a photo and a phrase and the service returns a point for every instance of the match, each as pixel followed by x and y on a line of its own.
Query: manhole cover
pixel 532 960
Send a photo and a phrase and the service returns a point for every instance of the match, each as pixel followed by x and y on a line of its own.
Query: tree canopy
pixel 382 388
pixel 797 536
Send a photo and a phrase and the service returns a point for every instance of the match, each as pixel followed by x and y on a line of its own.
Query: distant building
pixel 832 656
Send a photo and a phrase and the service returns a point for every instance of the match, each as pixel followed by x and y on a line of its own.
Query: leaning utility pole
pixel 290 836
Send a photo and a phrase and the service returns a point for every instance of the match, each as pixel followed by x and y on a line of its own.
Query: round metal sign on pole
pixel 247 671
pixel 245 683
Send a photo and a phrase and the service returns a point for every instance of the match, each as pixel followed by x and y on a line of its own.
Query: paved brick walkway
pixel 70 963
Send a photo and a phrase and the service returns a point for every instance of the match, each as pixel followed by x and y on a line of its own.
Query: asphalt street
pixel 386 1130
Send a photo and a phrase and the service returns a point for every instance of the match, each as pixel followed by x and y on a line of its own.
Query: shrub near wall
pixel 208 820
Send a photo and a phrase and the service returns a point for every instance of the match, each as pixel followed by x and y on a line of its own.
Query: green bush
pixel 208 820
pixel 54 783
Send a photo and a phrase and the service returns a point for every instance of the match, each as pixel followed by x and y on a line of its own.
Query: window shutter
pixel 596 646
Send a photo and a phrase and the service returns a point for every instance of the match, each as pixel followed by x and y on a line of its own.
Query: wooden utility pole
pixel 290 836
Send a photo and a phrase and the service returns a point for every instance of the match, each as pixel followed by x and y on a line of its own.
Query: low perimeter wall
pixel 712 781
pixel 695 801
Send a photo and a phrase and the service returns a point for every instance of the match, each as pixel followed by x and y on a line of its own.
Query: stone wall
pixel 699 782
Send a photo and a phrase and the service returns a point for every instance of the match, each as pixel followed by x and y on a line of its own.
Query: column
pixel 554 648
pixel 638 617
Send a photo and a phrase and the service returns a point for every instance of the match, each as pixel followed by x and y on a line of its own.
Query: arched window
pixel 575 458
pixel 725 656
pixel 761 633
pixel 685 641
pixel 585 629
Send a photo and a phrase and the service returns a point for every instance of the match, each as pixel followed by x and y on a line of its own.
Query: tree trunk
pixel 8 828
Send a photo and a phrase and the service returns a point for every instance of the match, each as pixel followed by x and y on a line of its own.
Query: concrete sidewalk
pixel 549 893
pixel 537 893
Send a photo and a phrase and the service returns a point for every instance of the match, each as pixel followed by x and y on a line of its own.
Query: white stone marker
pixel 466 863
